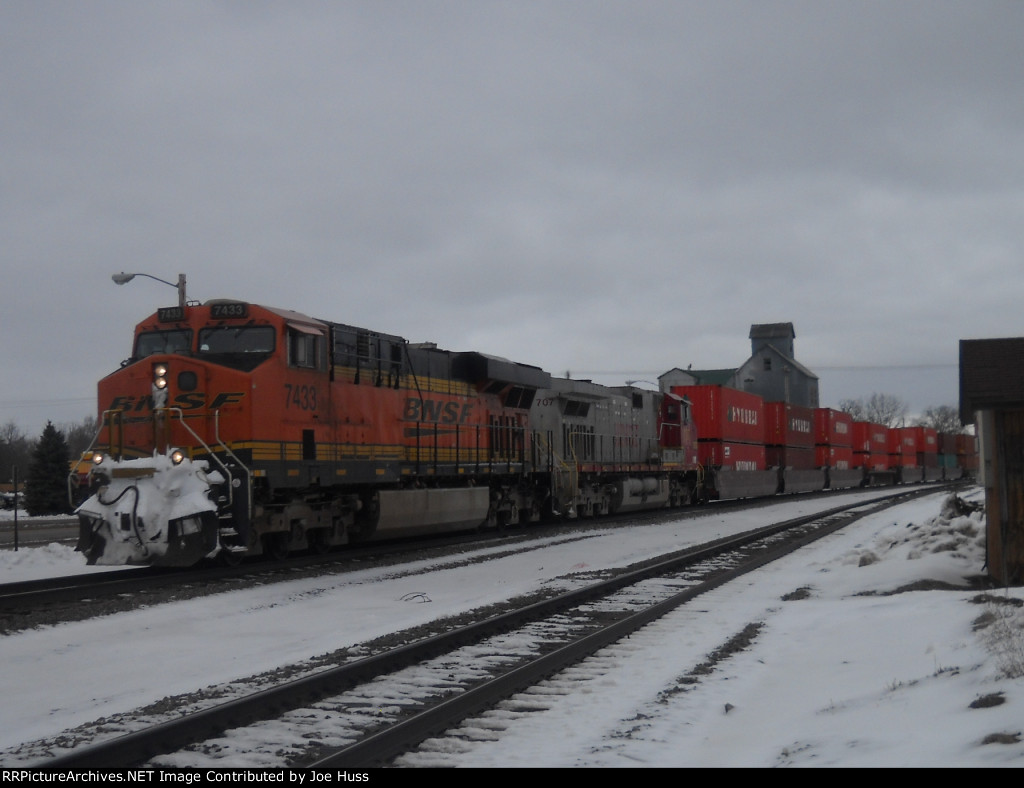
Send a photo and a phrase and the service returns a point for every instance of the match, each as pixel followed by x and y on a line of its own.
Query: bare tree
pixel 855 407
pixel 885 409
pixel 79 434
pixel 941 418
pixel 16 448
pixel 15 451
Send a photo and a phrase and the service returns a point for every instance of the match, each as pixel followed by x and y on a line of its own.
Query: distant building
pixel 771 372
pixel 992 398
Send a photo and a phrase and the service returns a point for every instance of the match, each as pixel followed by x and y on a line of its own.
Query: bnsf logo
pixel 436 411
pixel 194 400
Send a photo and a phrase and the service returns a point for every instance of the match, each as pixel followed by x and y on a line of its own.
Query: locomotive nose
pixel 155 511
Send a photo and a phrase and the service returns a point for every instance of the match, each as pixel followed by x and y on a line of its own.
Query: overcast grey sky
pixel 611 188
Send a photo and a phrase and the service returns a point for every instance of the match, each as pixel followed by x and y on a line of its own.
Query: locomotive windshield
pixel 153 342
pixel 239 346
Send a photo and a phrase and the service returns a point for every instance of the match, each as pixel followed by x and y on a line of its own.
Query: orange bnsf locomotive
pixel 236 429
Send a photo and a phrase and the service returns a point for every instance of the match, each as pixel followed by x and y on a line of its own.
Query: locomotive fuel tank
pixel 632 493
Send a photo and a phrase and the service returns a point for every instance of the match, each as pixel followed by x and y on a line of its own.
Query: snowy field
pixel 840 672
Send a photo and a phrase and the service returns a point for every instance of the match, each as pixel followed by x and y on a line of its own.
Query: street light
pixel 123 279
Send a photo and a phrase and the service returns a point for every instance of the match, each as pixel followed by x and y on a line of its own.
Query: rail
pixel 398 735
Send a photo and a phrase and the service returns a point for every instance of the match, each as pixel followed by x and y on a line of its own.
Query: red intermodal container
pixel 871 461
pixel 870 437
pixel 799 458
pixel 727 454
pixel 788 425
pixel 725 414
pixel 965 444
pixel 927 440
pixel 903 441
pixel 838 457
pixel 927 459
pixel 832 427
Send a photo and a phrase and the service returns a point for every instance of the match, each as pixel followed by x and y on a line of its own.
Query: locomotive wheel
pixel 276 545
pixel 230 557
pixel 319 543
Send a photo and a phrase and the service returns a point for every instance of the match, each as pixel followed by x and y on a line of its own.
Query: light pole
pixel 123 278
pixel 633 382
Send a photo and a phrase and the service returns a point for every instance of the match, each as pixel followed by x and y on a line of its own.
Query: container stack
pixel 928 453
pixel 730 426
pixel 730 438
pixel 833 447
pixel 789 446
pixel 967 453
pixel 871 451
pixel 789 436
pixel 948 459
pixel 903 454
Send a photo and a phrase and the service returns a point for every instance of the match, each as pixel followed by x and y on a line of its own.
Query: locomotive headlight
pixel 177 456
pixel 160 386
pixel 98 458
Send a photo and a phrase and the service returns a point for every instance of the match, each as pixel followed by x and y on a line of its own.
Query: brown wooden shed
pixel 992 397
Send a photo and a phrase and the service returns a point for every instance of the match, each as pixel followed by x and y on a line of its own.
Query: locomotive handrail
pixel 248 471
pixel 559 468
pixel 181 417
pixel 419 393
pixel 104 421
pixel 227 449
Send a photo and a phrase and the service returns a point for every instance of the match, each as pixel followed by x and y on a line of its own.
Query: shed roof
pixel 712 377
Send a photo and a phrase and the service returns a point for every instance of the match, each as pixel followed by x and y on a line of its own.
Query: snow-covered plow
pixel 155 511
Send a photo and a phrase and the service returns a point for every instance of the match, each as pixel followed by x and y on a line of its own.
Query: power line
pixel 812 367
pixel 854 368
pixel 36 403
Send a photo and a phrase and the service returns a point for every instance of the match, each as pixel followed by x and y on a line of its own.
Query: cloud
pixel 619 187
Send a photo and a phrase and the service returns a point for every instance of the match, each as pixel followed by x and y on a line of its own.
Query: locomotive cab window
pixel 304 347
pixel 153 342
pixel 239 347
pixel 576 408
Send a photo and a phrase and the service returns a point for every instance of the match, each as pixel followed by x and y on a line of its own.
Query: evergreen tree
pixel 46 490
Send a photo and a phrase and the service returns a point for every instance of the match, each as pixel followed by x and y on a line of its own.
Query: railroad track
pixel 75 597
pixel 372 709
pixel 103 592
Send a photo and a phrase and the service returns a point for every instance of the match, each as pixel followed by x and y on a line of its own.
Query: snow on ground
pixel 34 563
pixel 839 671
pixel 838 675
